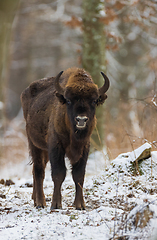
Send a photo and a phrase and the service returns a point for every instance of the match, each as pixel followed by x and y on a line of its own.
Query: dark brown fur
pixel 52 132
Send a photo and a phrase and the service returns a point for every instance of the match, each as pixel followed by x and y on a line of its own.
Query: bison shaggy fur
pixel 60 117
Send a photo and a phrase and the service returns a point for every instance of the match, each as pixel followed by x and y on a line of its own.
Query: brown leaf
pixel 9 182
pixel 74 22
pixel 106 20
pixel 112 47
pixel 118 5
pixel 2 181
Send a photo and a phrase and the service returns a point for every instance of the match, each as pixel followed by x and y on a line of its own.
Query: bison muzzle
pixel 60 118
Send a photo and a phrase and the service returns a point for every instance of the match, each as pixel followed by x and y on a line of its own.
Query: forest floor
pixel 119 203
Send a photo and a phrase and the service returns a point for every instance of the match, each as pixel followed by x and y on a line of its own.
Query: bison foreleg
pixel 78 173
pixel 58 175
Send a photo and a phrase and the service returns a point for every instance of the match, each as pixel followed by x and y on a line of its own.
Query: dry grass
pixel 14 146
pixel 136 123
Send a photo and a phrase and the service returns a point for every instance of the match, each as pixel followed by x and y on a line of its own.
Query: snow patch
pixel 116 201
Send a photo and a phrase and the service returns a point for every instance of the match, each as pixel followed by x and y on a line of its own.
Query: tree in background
pixel 7 13
pixel 93 52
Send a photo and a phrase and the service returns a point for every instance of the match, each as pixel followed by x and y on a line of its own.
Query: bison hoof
pixel 39 207
pixel 78 208
pixel 55 206
pixel 79 205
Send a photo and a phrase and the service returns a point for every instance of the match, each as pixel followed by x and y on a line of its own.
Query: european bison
pixel 60 117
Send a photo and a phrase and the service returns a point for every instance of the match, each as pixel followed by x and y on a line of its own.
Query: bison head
pixel 81 97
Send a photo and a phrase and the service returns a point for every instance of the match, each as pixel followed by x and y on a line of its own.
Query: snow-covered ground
pixel 119 205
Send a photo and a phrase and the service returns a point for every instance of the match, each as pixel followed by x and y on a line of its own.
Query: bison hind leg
pixel 39 158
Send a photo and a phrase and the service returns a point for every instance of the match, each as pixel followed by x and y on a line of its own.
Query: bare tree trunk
pixel 7 13
pixel 93 55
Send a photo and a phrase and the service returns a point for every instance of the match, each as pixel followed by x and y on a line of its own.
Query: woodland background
pixel 39 38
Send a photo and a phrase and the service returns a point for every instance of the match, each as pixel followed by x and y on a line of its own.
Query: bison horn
pixel 106 85
pixel 57 85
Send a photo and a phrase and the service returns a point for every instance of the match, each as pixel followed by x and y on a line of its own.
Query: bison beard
pixel 60 118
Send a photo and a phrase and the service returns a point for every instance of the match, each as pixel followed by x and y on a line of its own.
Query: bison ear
pixel 61 98
pixel 101 99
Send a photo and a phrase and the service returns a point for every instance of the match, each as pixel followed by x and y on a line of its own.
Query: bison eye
pixel 94 102
pixel 68 101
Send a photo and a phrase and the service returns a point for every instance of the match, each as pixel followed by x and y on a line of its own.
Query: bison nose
pixel 81 121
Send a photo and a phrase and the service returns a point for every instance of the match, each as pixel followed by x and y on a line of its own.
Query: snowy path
pixel 116 204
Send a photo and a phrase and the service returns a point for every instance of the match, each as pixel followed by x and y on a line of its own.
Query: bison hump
pixel 40 85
